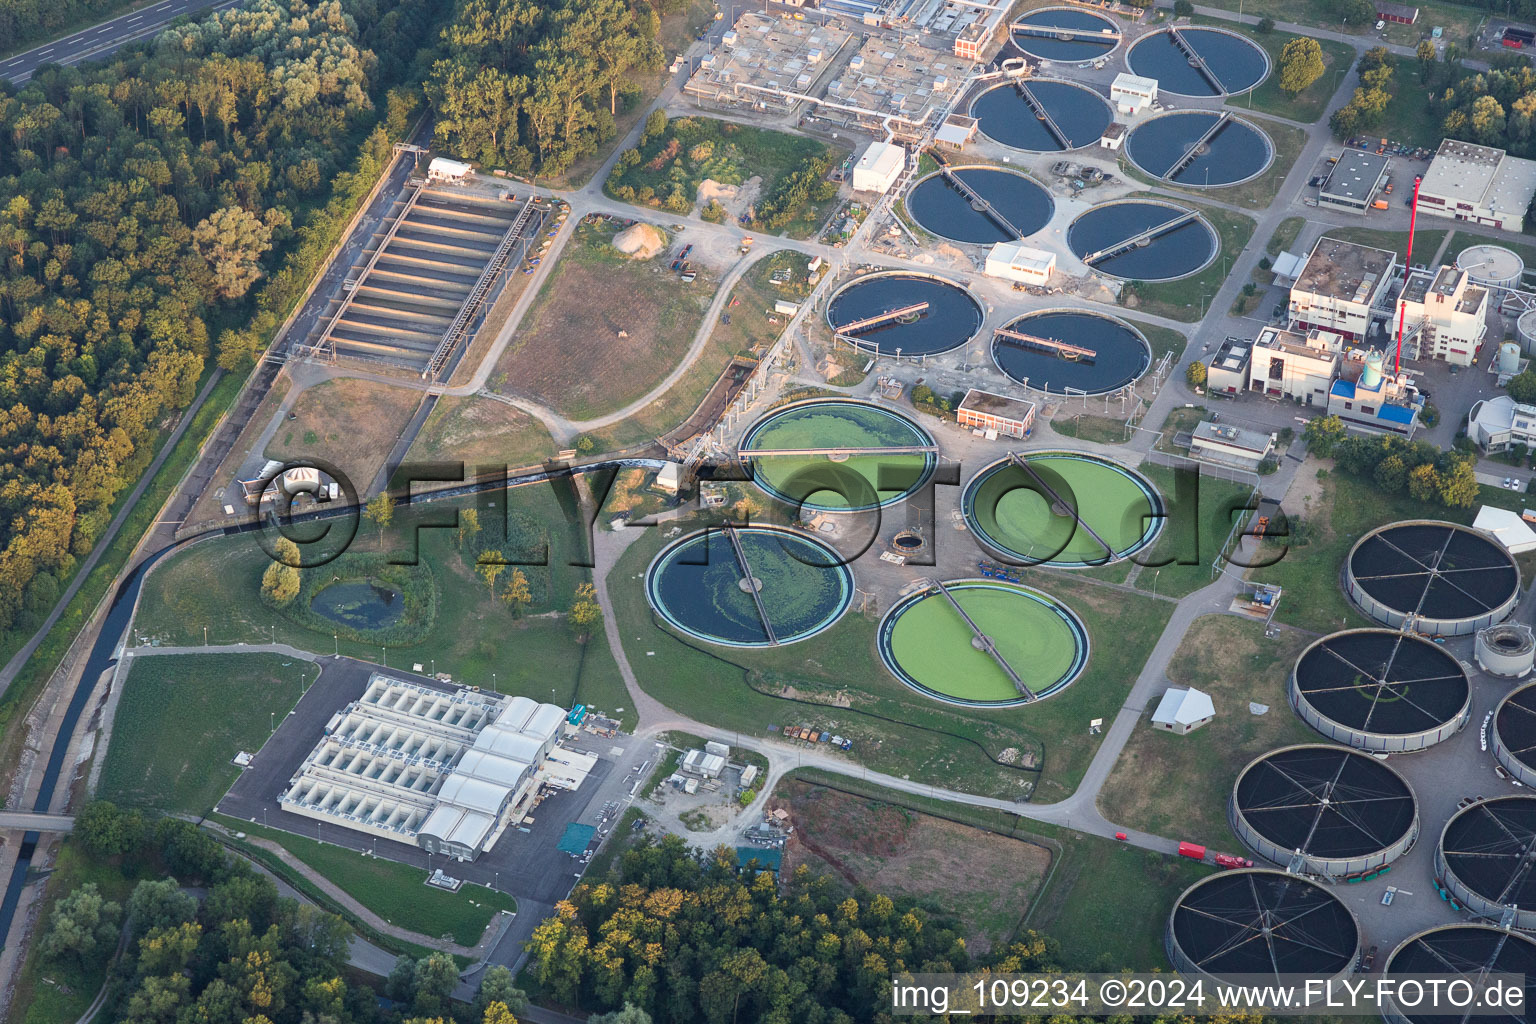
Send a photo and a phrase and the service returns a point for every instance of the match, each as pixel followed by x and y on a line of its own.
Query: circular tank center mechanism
pixel 1485 857
pixel 1198 61
pixel 1042 115
pixel 1199 148
pixel 838 455
pixel 1467 949
pixel 982 205
pixel 1065 34
pixel 983 643
pixel 1061 509
pixel 902 314
pixel 1141 240
pixel 1066 352
pixel 754 586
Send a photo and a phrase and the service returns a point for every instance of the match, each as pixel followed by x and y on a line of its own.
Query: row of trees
pixel 1395 465
pixel 144 199
pixel 1368 105
pixel 535 86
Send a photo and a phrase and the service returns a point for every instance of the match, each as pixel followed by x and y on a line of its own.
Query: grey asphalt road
pixel 105 38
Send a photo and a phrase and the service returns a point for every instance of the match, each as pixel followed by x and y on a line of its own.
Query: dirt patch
pixel 605 330
pixel 640 241
pixel 481 431
pixel 737 199
pixel 351 423
pixel 985 882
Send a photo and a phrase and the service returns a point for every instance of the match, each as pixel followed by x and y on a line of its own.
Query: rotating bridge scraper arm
pixel 1023 464
pixel 985 643
pixel 751 582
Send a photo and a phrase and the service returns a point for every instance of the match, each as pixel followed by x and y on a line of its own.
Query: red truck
pixel 1226 860
pixel 1194 851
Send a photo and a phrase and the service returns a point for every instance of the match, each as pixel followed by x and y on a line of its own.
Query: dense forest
pixel 533 85
pixel 144 200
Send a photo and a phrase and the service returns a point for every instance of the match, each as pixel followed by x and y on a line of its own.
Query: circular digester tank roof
pixel 698 584
pixel 1063 351
pixel 1337 810
pixel 928 644
pixel 1514 734
pixel 1492 266
pixel 1462 949
pixel 1020 206
pixel 820 467
pixel 1074 116
pixel 1061 509
pixel 1380 690
pixel 907 313
pixel 1256 921
pixel 1142 240
pixel 1432 577
pixel 1487 858
pixel 1198 61
pixel 1199 149
pixel 1065 34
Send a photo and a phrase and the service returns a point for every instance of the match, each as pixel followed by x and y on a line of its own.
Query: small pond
pixel 360 604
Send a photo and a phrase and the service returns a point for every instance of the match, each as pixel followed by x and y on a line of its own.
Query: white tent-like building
pixel 1507 528
pixel 1182 711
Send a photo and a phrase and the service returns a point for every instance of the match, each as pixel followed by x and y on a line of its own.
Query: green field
pixel 1180 562
pixel 396 892
pixel 214 585
pixel 1107 501
pixel 933 644
pixel 822 482
pixel 181 718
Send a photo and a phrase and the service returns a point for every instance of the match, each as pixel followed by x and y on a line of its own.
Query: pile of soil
pixel 640 241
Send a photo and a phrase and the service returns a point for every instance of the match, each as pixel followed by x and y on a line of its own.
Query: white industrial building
pixel 1444 316
pixel 878 167
pixel 1131 94
pixel 1290 364
pixel 444 770
pixel 1015 261
pixel 1497 424
pixel 443 169
pixel 1478 184
pixel 1182 711
pixel 1230 446
pixel 702 763
pixel 1506 527
pixel 1339 286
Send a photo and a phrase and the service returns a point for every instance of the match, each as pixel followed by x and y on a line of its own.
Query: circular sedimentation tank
pixel 1127 239
pixel 1469 949
pixel 1231 63
pixel 1336 811
pixel 1061 351
pixel 1514 734
pixel 950 318
pixel 1487 858
pixel 1432 577
pixel 1017 201
pixel 698 585
pixel 928 644
pixel 1200 149
pixel 1379 690
pixel 1257 921
pixel 1492 266
pixel 1007 117
pixel 1525 327
pixel 821 469
pixel 1062 509
pixel 1065 34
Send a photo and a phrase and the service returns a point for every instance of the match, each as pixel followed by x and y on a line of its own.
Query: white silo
pixel 1509 358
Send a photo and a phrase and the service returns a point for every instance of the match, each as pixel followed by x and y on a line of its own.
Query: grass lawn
pixel 1088 427
pixel 183 717
pixel 693 149
pixel 752 329
pixel 1406 119
pixel 1284 235
pixel 351 422
pixel 605 329
pixel 1309 104
pixel 55 993
pixel 1107 903
pixel 1335 511
pixel 481 431
pixel 1230 659
pixel 1189 548
pixel 396 892
pixel 836 681
pixel 1179 421
pixel 215 584
pixel 1104 901
pixel 1183 299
